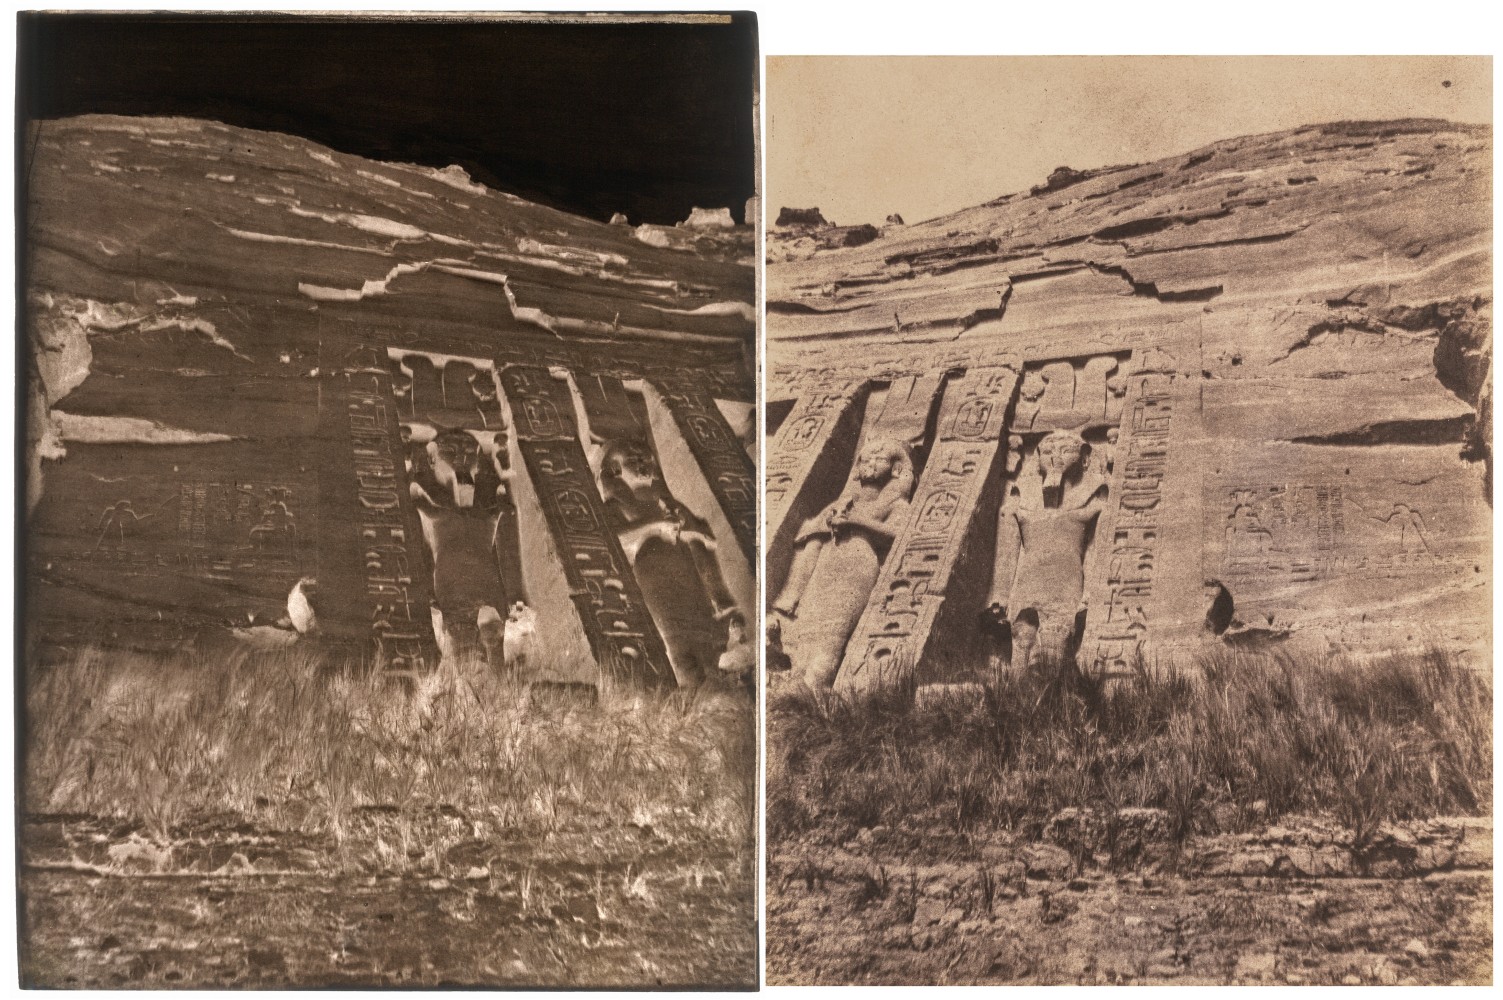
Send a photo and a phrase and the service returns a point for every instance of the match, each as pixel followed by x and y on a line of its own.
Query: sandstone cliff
pixel 1296 327
pixel 211 308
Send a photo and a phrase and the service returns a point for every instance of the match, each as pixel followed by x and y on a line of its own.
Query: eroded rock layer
pixel 259 362
pixel 1273 354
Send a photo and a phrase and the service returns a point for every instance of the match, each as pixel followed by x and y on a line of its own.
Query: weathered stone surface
pixel 895 630
pixel 839 555
pixel 1278 348
pixel 256 361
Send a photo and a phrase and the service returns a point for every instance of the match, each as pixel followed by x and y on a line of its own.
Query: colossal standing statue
pixel 460 495
pixel 1043 533
pixel 673 555
pixel 837 557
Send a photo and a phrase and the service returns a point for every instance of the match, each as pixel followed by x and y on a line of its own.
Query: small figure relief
pixel 1116 395
pixel 461 495
pixel 115 522
pixel 673 557
pixel 1104 455
pixel 1030 392
pixel 275 533
pixel 300 621
pixel 1407 535
pixel 837 558
pixel 1292 531
pixel 487 399
pixel 1014 454
pixel 1044 533
pixel 1248 543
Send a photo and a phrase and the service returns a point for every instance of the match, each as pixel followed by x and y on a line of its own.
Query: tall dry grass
pixel 1253 736
pixel 287 740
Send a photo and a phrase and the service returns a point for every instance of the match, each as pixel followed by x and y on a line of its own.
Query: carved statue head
pixel 885 462
pixel 626 469
pixel 1034 384
pixel 484 387
pixel 1060 454
pixel 457 461
pixel 502 445
pixel 1014 453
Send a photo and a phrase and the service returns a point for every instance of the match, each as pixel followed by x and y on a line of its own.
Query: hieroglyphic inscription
pixel 400 631
pixel 1116 623
pixel 726 466
pixel 892 634
pixel 1295 532
pixel 800 441
pixel 622 636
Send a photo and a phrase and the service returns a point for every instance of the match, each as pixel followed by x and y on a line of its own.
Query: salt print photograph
pixel 1128 520
pixel 390 516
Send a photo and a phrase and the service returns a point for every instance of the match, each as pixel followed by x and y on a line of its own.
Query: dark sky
pixel 649 119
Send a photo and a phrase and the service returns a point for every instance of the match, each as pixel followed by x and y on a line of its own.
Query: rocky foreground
pixel 1296 903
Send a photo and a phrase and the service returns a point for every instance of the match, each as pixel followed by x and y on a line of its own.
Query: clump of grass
pixel 286 739
pixel 1368 742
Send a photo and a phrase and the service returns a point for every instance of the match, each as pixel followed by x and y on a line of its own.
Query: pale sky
pixel 861 137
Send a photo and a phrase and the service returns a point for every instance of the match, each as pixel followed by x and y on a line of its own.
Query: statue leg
pixel 492 629
pixel 996 637
pixel 1053 642
pixel 684 655
pixel 777 657
pixel 708 568
pixel 464 636
pixel 1056 641
pixel 1025 631
pixel 805 558
pixel 820 671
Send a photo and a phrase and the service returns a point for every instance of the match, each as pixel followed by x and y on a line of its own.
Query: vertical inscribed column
pixel 823 425
pixel 622 636
pixel 375 582
pixel 726 466
pixel 1118 616
pixel 896 628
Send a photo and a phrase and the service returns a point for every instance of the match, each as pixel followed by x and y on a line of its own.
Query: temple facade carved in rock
pixel 516 418
pixel 1135 442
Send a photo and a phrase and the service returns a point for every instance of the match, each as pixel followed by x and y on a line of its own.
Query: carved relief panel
pixel 672 550
pixel 393 567
pixel 895 630
pixel 622 636
pixel 458 474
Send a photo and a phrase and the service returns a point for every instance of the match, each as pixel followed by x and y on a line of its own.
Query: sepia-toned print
pixel 391 508
pixel 1129 521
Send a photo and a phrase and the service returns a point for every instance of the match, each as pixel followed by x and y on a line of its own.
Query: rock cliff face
pixel 258 361
pixel 1275 350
